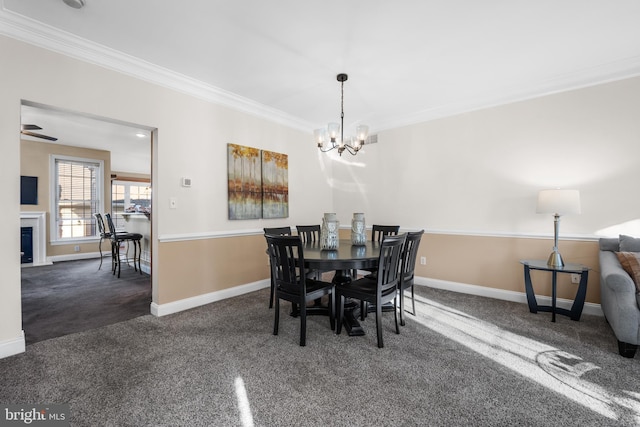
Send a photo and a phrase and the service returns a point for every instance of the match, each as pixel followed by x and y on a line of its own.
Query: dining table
pixel 344 260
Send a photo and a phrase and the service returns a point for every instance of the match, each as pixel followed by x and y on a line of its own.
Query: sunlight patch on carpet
pixel 550 367
pixel 243 403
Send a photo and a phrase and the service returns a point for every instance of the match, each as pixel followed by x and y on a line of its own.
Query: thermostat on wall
pixel 186 182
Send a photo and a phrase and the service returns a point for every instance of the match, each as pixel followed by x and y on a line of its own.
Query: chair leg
pixel 401 297
pixel 379 325
pixel 340 305
pixel 413 302
pixel 395 315
pixel 332 314
pixel 100 249
pixel 272 291
pixel 139 256
pixel 276 319
pixel 303 324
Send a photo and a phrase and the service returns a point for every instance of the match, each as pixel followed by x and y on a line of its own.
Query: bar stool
pixel 119 237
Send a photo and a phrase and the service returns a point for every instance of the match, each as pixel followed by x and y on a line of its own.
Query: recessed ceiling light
pixel 76 4
pixel 140 134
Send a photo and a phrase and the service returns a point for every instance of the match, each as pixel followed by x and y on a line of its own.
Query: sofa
pixel 620 290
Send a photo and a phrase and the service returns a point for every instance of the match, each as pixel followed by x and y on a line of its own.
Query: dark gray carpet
pixel 75 296
pixel 463 360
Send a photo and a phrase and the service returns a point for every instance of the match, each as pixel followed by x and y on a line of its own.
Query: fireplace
pixel 35 221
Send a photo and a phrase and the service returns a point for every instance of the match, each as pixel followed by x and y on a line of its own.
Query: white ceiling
pixel 408 61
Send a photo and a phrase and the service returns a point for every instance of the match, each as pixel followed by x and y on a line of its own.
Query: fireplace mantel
pixel 36 220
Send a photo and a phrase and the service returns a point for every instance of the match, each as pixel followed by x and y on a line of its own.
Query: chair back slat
pixel 287 263
pixel 390 264
pixel 112 227
pixel 409 255
pixel 309 233
pixel 378 232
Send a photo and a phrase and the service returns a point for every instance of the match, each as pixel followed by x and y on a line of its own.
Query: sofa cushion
pixel 609 244
pixel 629 243
pixel 630 261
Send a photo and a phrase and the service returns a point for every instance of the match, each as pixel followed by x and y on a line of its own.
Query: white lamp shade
pixel 558 202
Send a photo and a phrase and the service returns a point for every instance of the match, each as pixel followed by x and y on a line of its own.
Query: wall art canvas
pixel 244 182
pixel 275 185
pixel 258 183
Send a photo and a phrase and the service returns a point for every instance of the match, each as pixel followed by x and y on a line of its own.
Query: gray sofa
pixel 618 297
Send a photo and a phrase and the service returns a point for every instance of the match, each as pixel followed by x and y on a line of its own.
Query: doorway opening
pixel 78 160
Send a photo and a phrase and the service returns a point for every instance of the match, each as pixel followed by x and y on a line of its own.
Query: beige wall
pixel 35 161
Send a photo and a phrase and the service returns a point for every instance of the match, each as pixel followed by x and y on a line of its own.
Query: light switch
pixel 173 203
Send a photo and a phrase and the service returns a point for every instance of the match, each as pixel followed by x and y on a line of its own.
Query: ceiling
pixel 407 61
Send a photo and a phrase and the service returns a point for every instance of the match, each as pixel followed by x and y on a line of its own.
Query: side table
pixel 578 302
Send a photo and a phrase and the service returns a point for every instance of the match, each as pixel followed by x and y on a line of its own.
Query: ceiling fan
pixel 26 130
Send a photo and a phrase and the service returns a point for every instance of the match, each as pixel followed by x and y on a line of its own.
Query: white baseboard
pixel 502 294
pixel 75 256
pixel 187 303
pixel 13 346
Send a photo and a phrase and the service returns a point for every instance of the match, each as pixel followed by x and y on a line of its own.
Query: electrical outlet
pixel 76 248
pixel 575 278
pixel 423 260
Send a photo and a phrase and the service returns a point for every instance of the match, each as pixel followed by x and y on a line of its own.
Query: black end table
pixel 578 302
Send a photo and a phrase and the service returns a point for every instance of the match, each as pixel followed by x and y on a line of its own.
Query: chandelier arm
pixel 328 149
pixel 352 150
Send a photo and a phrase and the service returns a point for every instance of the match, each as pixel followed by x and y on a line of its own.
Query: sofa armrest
pixel 613 275
pixel 618 299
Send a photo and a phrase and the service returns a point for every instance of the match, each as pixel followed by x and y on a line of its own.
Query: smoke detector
pixel 76 4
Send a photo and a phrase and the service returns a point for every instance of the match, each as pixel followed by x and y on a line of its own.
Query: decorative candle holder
pixel 358 230
pixel 329 238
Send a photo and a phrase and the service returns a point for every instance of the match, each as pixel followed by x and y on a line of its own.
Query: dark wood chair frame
pixel 104 235
pixel 378 291
pixel 119 237
pixel 292 284
pixel 409 255
pixel 276 231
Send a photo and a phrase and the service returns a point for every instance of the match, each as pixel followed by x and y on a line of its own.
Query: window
pixel 76 195
pixel 129 196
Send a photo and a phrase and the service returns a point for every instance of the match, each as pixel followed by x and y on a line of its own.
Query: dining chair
pixel 379 231
pixel 291 284
pixel 378 291
pixel 309 233
pixel 119 237
pixel 104 235
pixel 276 231
pixel 409 254
pixel 377 234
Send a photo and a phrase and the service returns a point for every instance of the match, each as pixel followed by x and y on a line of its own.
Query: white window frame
pixel 53 188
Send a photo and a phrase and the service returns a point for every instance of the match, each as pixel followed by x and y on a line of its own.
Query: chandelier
pixel 327 138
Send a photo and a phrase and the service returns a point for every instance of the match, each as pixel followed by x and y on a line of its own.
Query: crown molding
pixel 45 36
pixel 42 35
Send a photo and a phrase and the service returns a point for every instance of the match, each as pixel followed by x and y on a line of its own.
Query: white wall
pixel 480 172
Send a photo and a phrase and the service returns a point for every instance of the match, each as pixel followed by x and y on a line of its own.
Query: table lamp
pixel 558 202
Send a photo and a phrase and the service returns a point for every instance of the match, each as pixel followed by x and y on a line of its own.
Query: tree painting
pixel 258 183
pixel 275 185
pixel 244 182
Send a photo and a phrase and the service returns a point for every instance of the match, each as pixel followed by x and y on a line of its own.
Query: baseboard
pixel 188 303
pixel 502 294
pixel 75 256
pixel 13 346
